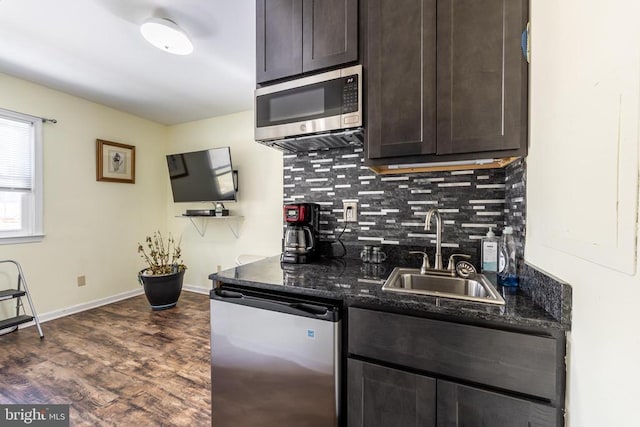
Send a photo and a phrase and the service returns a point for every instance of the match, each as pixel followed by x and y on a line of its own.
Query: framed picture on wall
pixel 115 162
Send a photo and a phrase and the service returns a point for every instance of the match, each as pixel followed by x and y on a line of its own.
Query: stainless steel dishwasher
pixel 275 360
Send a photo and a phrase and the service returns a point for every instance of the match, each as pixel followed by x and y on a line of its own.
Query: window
pixel 20 178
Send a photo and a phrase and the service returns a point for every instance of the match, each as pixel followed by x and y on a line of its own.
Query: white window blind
pixel 21 180
pixel 16 155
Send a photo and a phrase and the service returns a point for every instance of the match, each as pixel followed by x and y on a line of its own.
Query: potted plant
pixel 162 278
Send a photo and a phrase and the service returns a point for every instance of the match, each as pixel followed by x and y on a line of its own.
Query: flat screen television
pixel 203 176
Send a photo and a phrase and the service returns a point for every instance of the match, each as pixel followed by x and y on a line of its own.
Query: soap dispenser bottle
pixel 490 252
pixel 507 271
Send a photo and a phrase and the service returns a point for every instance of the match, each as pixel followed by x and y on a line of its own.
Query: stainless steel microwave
pixel 314 112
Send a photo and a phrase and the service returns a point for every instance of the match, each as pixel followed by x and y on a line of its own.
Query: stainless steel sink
pixel 409 280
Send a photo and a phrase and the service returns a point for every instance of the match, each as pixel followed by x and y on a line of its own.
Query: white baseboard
pixel 196 289
pixel 56 314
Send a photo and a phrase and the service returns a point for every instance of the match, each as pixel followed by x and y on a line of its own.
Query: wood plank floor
pixel 117 365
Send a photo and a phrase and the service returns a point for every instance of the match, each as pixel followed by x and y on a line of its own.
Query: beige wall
pixel 585 77
pixel 259 197
pixel 92 228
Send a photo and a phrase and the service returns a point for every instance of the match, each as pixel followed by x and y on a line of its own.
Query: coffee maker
pixel 301 235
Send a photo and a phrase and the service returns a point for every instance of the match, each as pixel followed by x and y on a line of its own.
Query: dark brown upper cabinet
pixel 445 80
pixel 278 39
pixel 300 36
pixel 400 77
pixel 482 76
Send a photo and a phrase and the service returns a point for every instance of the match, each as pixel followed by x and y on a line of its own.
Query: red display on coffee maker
pixel 298 213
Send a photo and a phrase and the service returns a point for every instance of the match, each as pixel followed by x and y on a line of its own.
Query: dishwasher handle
pixel 303 309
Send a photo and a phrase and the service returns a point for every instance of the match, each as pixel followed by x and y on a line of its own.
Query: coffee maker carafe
pixel 301 234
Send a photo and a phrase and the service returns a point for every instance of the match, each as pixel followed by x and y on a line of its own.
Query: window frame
pixel 32 210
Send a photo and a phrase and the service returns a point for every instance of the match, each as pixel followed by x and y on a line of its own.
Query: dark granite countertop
pixel 360 284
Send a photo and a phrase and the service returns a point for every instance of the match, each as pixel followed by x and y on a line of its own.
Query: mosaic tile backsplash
pixel 392 208
pixel 515 207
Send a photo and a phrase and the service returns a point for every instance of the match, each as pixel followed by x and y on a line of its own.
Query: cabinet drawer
pixel 508 360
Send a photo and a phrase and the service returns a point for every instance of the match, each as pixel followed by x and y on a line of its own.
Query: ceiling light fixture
pixel 166 35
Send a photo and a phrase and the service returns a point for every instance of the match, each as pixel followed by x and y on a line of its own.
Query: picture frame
pixel 115 162
pixel 177 166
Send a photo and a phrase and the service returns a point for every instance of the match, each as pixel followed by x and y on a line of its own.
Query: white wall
pixel 585 79
pixel 259 197
pixel 92 228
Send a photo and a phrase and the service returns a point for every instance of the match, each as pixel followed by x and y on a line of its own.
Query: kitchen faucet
pixel 465 269
pixel 427 226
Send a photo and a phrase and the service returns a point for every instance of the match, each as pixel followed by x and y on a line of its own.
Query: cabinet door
pixel 278 39
pixel 399 63
pixel 461 406
pixel 482 76
pixel 383 397
pixel 329 33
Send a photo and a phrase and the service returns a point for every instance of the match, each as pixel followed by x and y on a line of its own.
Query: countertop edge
pixel 441 307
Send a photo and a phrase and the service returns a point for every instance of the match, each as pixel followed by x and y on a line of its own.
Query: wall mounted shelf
pixel 200 222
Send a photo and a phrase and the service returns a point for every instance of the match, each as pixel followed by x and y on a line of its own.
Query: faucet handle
pixel 425 261
pixel 452 261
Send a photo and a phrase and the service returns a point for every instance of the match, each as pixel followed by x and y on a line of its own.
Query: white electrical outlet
pixel 350 213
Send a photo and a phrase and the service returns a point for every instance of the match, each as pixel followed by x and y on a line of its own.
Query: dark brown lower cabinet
pixel 383 397
pixel 406 371
pixel 462 406
pixel 379 396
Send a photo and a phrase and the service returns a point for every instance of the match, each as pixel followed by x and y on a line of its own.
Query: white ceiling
pixel 93 49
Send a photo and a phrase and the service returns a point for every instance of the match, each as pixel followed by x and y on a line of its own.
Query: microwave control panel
pixel 350 94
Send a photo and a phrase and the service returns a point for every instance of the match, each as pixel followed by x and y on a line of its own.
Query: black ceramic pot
pixel 162 292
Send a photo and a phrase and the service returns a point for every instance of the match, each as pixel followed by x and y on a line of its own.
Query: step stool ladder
pixel 21 291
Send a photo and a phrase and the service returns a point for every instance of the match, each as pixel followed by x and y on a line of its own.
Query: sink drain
pixel 465 269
